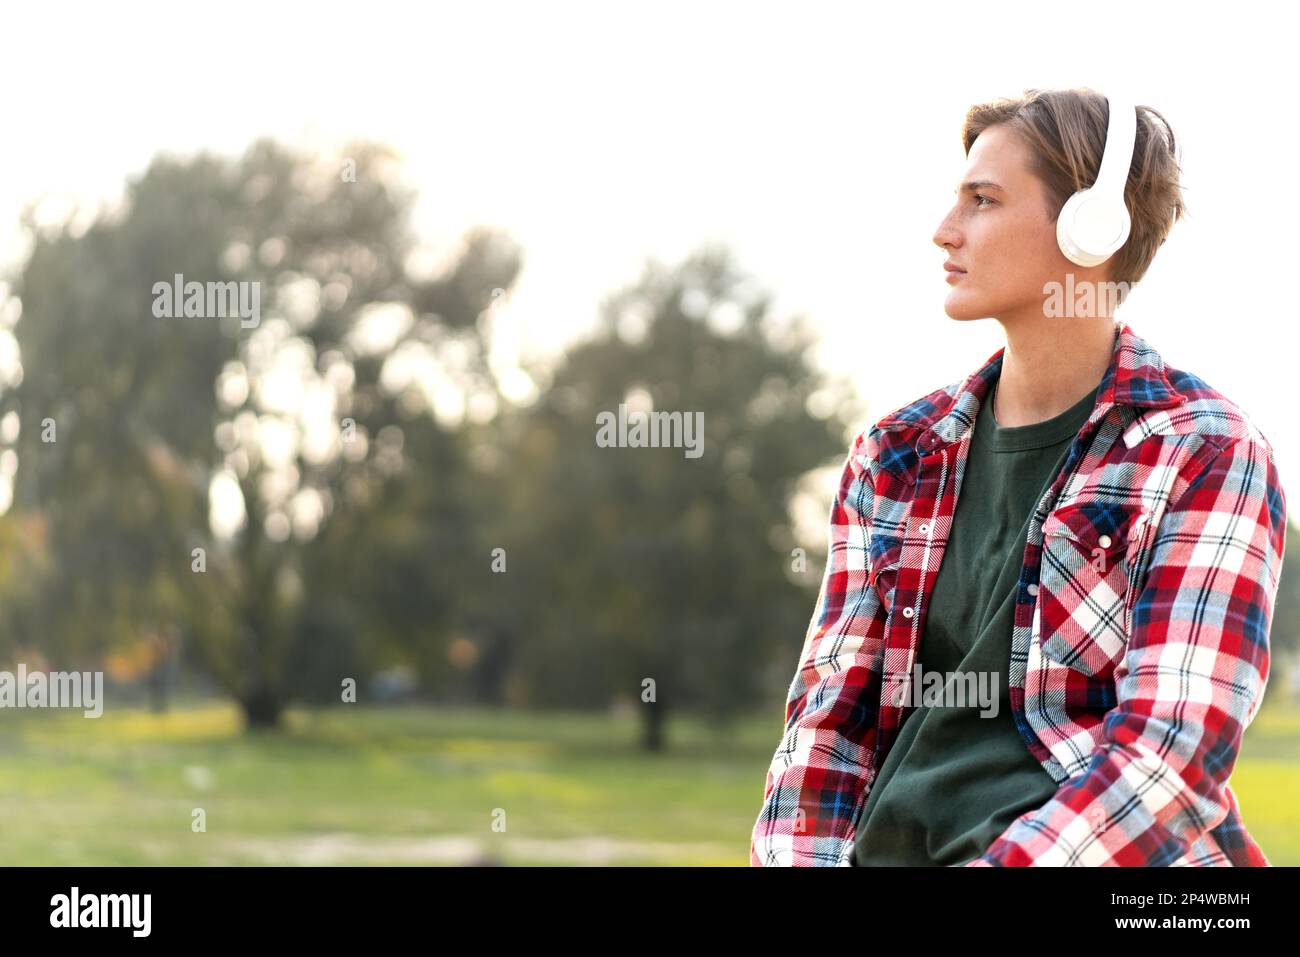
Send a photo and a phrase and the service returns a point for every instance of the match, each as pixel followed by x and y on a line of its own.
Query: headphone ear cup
pixel 1090 228
pixel 1065 235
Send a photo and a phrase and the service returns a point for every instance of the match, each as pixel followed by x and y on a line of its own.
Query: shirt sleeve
pixel 821 772
pixel 1191 681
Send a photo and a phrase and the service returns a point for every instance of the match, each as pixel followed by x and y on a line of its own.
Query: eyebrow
pixel 971 186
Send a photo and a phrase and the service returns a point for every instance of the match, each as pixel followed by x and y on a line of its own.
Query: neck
pixel 1049 364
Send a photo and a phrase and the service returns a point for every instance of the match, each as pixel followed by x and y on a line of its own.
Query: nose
pixel 947 234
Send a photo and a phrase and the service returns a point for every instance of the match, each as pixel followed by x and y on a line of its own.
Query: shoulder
pixel 920 412
pixel 1208 441
pixel 1204 427
pixel 902 423
pixel 1205 412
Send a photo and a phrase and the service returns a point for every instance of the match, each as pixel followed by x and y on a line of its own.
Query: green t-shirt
pixel 954 780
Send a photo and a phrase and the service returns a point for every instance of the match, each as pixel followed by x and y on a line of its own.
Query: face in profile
pixel 1002 232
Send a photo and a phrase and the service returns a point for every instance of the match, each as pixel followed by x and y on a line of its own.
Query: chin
pixel 962 311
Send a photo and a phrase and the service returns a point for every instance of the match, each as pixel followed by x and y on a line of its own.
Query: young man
pixel 1089 535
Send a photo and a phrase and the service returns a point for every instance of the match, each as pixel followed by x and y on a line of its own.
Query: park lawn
pixel 370 786
pixel 1266 782
pixel 415 785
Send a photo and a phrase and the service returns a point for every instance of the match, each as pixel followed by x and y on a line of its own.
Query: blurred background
pixel 363 587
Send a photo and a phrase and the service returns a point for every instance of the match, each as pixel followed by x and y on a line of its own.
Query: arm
pixel 1191 681
pixel 822 769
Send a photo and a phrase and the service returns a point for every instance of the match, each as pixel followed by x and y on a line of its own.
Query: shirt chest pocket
pixel 1082 616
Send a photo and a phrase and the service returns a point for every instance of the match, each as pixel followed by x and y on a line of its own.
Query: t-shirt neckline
pixel 1036 435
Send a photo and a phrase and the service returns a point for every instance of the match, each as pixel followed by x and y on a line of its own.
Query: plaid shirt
pixel 1139 652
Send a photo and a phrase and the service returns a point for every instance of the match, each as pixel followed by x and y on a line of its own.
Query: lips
pixel 951 268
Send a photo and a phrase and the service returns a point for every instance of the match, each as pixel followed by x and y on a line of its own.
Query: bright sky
pixel 820 140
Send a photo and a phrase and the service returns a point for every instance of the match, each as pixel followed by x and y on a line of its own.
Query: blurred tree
pixel 647 563
pixel 227 475
pixel 26 578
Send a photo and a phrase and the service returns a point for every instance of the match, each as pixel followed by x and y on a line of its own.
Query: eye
pixel 981 196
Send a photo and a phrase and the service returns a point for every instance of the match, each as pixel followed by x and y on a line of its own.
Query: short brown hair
pixel 1066 132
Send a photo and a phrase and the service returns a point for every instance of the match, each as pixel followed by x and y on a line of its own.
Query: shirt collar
pixel 1135 379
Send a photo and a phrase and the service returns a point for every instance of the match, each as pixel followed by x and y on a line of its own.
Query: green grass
pixel 1266 781
pixel 353 785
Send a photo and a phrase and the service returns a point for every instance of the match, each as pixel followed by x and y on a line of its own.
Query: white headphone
pixel 1094 222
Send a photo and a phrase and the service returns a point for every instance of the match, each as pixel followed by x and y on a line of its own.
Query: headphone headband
pixel 1121 135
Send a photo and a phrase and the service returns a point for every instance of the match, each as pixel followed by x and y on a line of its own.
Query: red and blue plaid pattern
pixel 1139 653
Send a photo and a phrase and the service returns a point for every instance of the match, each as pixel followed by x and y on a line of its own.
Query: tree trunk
pixel 163 674
pixel 653 726
pixel 263 710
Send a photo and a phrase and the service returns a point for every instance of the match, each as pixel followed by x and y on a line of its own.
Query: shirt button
pixel 1033 589
pixel 907 612
pixel 923 529
pixel 1104 541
